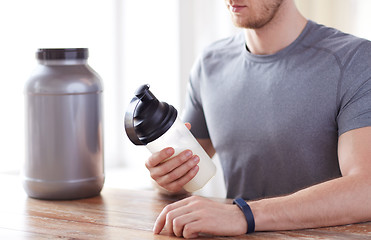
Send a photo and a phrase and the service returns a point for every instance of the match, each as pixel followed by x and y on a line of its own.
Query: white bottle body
pixel 180 138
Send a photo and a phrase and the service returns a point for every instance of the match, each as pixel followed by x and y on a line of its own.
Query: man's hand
pixel 191 216
pixel 172 173
pixel 175 172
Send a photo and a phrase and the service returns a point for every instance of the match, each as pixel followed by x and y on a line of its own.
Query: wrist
pixel 262 219
pixel 246 210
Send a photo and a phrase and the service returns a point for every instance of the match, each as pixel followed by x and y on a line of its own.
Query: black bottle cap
pixel 147 118
pixel 62 53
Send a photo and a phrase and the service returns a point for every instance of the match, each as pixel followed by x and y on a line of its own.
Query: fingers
pixel 177 185
pixel 176 170
pixel 161 220
pixel 195 215
pixel 168 166
pixel 176 217
pixel 192 229
pixel 170 212
pixel 188 125
pixel 159 157
pixel 174 173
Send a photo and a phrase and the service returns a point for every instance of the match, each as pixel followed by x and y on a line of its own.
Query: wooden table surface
pixel 116 214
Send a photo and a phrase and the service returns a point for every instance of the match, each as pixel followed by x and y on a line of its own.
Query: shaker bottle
pixel 156 125
pixel 64 135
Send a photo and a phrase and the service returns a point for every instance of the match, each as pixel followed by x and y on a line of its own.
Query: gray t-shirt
pixel 275 120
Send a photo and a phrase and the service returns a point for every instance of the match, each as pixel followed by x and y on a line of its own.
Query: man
pixel 287 106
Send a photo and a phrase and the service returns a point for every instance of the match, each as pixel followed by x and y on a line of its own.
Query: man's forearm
pixel 340 201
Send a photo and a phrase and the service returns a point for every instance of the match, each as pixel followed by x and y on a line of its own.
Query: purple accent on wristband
pixel 245 208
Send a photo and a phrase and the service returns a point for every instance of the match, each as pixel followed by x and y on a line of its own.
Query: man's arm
pixel 339 201
pixel 336 202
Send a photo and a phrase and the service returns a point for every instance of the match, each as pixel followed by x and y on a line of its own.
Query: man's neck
pixel 280 32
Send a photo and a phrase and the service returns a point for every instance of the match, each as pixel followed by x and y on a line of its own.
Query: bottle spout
pixel 144 94
pixel 141 90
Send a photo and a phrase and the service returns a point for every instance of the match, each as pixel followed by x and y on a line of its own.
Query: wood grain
pixel 116 214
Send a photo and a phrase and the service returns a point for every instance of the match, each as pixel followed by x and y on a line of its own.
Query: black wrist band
pixel 245 208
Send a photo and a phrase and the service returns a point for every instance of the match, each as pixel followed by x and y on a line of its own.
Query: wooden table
pixel 116 214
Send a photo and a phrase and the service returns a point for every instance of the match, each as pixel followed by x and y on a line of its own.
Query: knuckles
pixel 176 224
pixel 171 176
pixel 177 227
pixel 153 175
pixel 188 231
pixel 196 200
pixel 168 208
pixel 150 163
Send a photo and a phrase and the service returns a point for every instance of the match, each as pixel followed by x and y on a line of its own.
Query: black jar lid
pixel 62 53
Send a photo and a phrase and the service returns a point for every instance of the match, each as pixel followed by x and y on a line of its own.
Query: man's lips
pixel 236 8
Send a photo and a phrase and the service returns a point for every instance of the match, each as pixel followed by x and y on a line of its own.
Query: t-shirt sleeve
pixel 355 91
pixel 193 110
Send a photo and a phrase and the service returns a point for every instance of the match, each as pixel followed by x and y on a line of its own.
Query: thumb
pixel 188 125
